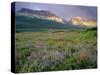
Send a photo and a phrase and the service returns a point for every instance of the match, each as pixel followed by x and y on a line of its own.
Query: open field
pixel 53 51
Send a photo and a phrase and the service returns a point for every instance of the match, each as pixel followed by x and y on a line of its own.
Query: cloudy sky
pixel 64 11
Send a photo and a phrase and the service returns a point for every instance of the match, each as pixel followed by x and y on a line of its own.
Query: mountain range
pixel 43 19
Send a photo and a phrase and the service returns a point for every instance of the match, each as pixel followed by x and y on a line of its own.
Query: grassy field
pixel 53 51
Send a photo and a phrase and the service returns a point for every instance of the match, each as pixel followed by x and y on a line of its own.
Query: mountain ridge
pixel 43 14
pixel 82 21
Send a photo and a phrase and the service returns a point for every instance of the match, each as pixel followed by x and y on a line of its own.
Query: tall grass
pixel 52 51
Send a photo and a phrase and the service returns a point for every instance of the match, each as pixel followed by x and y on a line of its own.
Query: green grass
pixel 53 51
